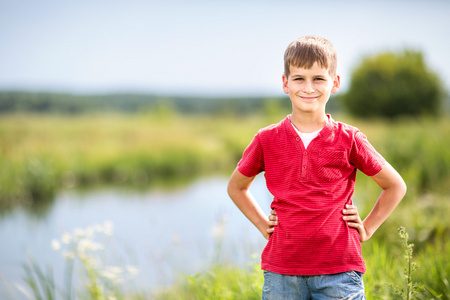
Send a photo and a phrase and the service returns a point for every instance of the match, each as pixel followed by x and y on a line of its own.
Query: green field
pixel 41 154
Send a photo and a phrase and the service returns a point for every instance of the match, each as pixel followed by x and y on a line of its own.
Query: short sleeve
pixel 365 157
pixel 252 161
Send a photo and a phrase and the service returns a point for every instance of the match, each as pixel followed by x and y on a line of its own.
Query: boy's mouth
pixel 308 99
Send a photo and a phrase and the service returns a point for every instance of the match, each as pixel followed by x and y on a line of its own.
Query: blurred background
pixel 135 114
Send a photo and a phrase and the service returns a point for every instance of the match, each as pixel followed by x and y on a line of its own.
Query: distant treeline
pixel 46 102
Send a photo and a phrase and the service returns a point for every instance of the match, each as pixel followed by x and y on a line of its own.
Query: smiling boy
pixel 310 163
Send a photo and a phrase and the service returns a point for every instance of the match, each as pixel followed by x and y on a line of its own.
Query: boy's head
pixel 307 50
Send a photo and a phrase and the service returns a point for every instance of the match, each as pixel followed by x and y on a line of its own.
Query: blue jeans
pixel 347 285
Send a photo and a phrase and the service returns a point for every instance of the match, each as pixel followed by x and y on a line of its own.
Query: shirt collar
pixel 323 132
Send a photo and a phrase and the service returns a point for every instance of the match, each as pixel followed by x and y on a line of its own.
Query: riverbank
pixel 41 154
pixel 44 154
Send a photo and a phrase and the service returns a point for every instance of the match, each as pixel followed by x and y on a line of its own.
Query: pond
pixel 163 232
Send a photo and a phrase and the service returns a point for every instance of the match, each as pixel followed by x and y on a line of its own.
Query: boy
pixel 310 163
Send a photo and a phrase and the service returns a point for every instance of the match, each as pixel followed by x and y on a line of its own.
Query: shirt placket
pixel 304 158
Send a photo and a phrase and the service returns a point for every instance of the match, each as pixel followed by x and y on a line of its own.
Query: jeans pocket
pixel 356 276
pixel 267 281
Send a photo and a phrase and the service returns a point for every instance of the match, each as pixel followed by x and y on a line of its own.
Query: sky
pixel 200 47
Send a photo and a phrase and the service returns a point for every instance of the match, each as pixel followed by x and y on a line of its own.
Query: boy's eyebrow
pixel 314 76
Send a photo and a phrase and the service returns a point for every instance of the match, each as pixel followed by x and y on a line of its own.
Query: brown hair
pixel 305 51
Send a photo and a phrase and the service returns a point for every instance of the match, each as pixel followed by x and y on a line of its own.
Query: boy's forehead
pixel 315 68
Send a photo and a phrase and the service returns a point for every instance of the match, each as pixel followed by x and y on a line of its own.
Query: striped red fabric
pixel 310 188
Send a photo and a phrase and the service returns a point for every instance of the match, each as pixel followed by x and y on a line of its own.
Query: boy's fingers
pixel 273 218
pixel 354 224
pixel 272 223
pixel 357 226
pixel 350 211
pixel 354 218
pixel 272 212
pixel 361 230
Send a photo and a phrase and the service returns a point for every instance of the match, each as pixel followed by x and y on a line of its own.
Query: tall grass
pixel 385 271
pixel 88 274
pixel 40 154
pixel 219 282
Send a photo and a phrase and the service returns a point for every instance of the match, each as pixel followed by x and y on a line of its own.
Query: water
pixel 163 232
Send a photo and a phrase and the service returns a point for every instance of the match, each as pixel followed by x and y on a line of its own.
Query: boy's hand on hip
pixel 352 218
pixel 271 223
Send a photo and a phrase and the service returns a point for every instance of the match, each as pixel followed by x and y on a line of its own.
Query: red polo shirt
pixel 310 188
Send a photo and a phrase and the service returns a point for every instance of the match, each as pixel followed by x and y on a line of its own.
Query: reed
pixel 89 276
pixel 385 269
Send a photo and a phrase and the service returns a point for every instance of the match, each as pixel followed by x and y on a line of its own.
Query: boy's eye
pixel 297 79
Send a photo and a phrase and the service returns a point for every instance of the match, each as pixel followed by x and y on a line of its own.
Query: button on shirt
pixel 311 187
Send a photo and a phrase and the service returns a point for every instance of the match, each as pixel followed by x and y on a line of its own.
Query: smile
pixel 309 99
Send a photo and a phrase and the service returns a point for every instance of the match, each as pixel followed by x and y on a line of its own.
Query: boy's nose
pixel 308 89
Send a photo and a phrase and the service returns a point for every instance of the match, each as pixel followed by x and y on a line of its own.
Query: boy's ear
pixel 285 84
pixel 336 84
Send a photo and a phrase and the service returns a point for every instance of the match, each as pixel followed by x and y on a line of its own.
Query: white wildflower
pixel 218 231
pixel 116 270
pixel 56 245
pixel 66 238
pixel 132 270
pixel 98 228
pixel 68 255
pixel 90 262
pixel 108 228
pixel 89 232
pixel 86 244
pixel 112 273
pixel 79 232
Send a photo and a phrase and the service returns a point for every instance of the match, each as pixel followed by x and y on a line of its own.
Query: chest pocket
pixel 331 164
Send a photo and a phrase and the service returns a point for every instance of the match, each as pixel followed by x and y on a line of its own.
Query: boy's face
pixel 310 89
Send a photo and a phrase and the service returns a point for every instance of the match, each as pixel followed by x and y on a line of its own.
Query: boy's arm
pixel 238 189
pixel 394 188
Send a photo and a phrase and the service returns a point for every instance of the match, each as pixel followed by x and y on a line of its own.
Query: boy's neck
pixel 307 123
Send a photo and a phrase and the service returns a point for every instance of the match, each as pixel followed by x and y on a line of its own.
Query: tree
pixel 394 84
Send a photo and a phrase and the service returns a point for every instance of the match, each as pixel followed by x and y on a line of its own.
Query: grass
pixel 43 153
pixel 220 282
pixel 385 276
pixel 88 275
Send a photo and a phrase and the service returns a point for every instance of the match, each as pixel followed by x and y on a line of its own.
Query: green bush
pixel 394 84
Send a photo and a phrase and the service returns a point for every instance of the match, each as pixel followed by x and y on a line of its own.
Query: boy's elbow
pixel 400 188
pixel 232 189
pixel 403 188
